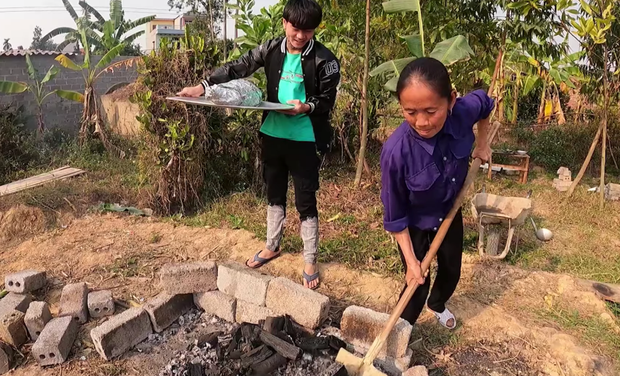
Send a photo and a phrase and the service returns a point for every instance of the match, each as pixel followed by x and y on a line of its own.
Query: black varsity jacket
pixel 321 77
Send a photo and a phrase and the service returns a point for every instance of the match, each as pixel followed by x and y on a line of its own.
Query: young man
pixel 302 72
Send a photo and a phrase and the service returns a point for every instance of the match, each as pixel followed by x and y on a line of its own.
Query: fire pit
pixel 276 346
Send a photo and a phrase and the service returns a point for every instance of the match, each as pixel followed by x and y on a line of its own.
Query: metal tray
pixel 204 102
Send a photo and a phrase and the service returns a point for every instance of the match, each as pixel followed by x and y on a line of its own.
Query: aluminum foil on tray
pixel 235 93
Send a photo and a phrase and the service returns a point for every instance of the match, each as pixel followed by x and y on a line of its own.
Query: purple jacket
pixel 421 177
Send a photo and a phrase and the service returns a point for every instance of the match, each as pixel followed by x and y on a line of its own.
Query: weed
pixel 155 238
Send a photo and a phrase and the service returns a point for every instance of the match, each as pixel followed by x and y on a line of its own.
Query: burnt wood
pixel 280 346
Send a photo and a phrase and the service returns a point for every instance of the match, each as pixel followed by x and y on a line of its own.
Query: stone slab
pixel 243 283
pixel 12 328
pixel 360 326
pixel 24 281
pixel 37 316
pixel 165 309
pixel 307 307
pixel 54 344
pixel 74 302
pixel 100 304
pixel 217 303
pixel 251 313
pixel 188 278
pixel 15 302
pixel 121 332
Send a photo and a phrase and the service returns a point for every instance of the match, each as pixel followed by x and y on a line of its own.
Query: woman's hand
pixel 414 273
pixel 192 91
pixel 482 151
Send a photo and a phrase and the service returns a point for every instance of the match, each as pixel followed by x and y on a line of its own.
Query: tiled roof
pixel 15 52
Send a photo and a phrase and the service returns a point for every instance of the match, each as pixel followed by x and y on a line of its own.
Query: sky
pixel 17 21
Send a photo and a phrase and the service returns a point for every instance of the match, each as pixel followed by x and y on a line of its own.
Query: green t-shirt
pixel 291 86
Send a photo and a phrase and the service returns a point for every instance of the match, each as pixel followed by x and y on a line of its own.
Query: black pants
pixel 449 258
pixel 281 157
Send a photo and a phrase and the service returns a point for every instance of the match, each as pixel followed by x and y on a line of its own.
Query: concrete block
pixel 121 332
pixel 12 328
pixel 100 304
pixel 217 303
pixel 188 278
pixel 243 283
pixel 251 313
pixel 416 371
pixel 307 307
pixel 37 316
pixel 24 281
pixel 73 302
pixel 54 343
pixel 15 302
pixel 360 326
pixel 164 309
pixel 6 358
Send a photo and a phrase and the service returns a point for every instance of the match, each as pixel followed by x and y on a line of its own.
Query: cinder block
pixel 360 326
pixel 100 304
pixel 307 307
pixel 54 343
pixel 15 302
pixel 37 316
pixel 12 328
pixel 189 278
pixel 217 303
pixel 121 332
pixel 164 309
pixel 243 283
pixel 24 281
pixel 73 302
pixel 251 313
pixel 6 358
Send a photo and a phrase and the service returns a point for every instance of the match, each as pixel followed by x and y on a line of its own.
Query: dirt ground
pixel 503 312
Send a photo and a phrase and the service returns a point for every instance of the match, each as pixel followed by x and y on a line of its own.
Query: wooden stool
pixel 523 165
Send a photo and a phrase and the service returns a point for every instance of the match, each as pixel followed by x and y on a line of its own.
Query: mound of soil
pixel 21 221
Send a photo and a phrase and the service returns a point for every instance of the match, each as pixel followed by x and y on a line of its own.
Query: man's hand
pixel 414 273
pixel 482 151
pixel 192 91
pixel 300 108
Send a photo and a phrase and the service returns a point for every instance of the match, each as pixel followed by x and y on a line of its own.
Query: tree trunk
pixel 211 26
pixel 541 110
pixel 585 164
pixel 515 104
pixel 501 96
pixel 364 139
pixel 604 141
pixel 40 120
pixel 225 32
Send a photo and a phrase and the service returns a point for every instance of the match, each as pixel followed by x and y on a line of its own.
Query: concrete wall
pixel 57 112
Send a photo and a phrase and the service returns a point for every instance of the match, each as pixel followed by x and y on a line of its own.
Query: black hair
pixel 429 70
pixel 303 14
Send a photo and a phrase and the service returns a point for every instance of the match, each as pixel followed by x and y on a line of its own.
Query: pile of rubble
pixel 276 323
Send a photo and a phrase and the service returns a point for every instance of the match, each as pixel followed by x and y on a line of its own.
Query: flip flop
pixel 443 318
pixel 261 261
pixel 310 278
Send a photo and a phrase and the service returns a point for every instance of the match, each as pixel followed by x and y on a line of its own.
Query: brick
pixel 15 302
pixel 217 303
pixel 100 304
pixel 6 358
pixel 305 306
pixel 54 343
pixel 121 332
pixel 416 371
pixel 164 309
pixel 251 313
pixel 360 326
pixel 243 283
pixel 37 316
pixel 73 302
pixel 24 281
pixel 189 278
pixel 12 328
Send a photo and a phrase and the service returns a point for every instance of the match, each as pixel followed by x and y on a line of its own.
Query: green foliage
pixel 258 28
pixel 15 152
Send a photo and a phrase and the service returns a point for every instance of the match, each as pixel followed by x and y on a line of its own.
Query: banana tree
pixel 448 51
pixel 36 88
pixel 91 122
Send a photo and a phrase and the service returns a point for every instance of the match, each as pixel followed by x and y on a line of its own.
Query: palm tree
pixel 102 34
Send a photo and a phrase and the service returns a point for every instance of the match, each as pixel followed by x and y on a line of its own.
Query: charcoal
pixel 256 356
pixel 336 343
pixel 210 338
pixel 313 343
pixel 196 369
pixel 280 346
pixel 269 365
pixel 273 324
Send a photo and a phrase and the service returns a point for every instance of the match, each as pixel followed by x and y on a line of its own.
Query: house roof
pixel 15 52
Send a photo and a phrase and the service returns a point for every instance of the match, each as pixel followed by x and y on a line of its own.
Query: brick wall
pixel 57 112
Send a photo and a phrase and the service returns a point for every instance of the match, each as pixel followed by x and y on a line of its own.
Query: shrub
pixel 16 150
